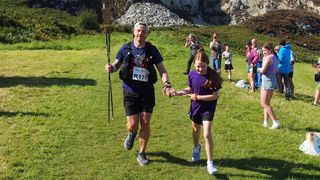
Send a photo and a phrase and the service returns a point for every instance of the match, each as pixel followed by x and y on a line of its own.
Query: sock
pixel 133 134
pixel 209 162
pixel 196 149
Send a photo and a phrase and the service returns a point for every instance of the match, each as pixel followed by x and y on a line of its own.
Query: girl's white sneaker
pixel 212 169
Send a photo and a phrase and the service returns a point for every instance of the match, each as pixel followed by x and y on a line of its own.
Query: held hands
pixel 167 89
pixel 170 92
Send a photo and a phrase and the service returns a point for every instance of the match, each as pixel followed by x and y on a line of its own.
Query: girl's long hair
pixel 214 80
pixel 270 47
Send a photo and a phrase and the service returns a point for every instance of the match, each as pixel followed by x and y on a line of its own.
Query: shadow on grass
pixel 274 169
pixel 307 129
pixel 18 113
pixel 172 159
pixel 302 97
pixel 44 81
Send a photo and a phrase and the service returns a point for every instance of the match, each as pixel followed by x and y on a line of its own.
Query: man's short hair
pixel 141 23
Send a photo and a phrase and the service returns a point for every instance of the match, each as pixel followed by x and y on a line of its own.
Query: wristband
pixel 167 84
pixel 112 68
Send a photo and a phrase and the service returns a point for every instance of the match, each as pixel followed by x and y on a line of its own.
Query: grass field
pixel 53 119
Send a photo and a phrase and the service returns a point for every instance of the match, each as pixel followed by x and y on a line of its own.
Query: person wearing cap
pixel 136 61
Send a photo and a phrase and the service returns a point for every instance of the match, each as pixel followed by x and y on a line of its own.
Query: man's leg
pixel 132 126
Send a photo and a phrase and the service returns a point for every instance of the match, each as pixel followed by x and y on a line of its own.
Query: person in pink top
pixel 317 93
pixel 251 64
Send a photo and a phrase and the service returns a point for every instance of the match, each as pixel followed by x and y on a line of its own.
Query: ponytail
pixel 214 80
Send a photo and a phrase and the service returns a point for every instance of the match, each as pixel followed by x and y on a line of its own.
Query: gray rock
pixel 155 15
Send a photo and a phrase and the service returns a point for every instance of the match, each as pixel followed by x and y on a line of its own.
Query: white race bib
pixel 140 74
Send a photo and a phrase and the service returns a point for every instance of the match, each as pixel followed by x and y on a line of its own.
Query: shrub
pixel 89 20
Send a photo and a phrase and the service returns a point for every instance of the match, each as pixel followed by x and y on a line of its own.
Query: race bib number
pixel 140 74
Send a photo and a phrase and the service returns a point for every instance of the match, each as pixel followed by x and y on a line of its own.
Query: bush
pixel 89 20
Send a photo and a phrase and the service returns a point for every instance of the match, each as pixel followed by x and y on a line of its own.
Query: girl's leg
pixel 265 115
pixel 317 97
pixel 265 103
pixel 208 139
pixel 230 74
pixel 196 128
pixel 189 63
pixel 251 80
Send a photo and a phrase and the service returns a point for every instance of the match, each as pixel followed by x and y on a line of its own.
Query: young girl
pixel 269 83
pixel 203 86
pixel 227 56
pixel 194 45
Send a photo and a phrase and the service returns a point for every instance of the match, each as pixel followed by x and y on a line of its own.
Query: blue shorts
pixel 216 63
pixel 269 82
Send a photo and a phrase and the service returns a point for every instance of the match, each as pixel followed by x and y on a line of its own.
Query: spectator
pixel 194 45
pixel 216 53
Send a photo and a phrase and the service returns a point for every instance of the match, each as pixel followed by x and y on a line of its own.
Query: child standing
pixel 227 56
pixel 203 86
pixel 194 45
pixel 269 83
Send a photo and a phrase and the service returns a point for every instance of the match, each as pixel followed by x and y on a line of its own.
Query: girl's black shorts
pixel 198 119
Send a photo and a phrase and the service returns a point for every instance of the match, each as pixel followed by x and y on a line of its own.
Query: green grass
pixel 53 119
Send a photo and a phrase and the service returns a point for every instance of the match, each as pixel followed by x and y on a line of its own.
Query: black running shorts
pixel 198 119
pixel 135 103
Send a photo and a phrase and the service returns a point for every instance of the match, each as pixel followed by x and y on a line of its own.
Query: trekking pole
pixel 110 100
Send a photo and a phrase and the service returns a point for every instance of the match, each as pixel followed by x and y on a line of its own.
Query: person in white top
pixel 227 57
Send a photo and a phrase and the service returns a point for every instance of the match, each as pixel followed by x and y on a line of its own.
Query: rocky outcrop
pixel 211 12
pixel 154 14
pixel 216 12
pixel 240 10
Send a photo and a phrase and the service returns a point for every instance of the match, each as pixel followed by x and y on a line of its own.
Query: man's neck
pixel 139 44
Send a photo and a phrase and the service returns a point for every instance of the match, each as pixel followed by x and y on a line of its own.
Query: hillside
pixel 300 27
pixel 20 23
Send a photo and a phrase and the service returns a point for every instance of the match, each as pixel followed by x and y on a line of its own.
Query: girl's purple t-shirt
pixel 196 82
